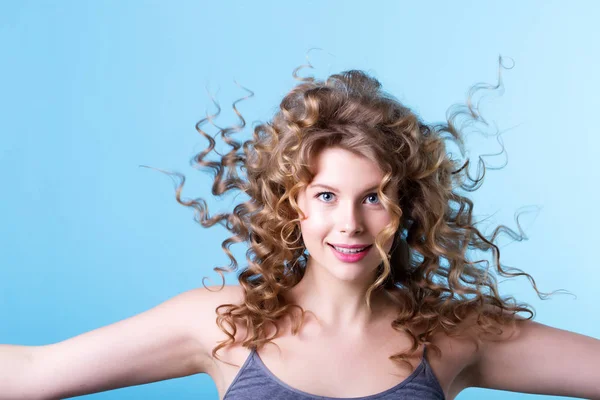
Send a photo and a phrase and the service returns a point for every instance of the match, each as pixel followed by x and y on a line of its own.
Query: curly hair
pixel 428 273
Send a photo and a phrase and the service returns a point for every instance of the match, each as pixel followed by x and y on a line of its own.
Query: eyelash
pixel 370 194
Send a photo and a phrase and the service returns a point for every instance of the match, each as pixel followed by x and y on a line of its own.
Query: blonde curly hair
pixel 428 273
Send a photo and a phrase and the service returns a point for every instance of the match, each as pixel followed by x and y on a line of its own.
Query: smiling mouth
pixel 350 251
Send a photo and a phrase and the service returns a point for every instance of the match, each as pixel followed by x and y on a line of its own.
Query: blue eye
pixel 375 195
pixel 322 193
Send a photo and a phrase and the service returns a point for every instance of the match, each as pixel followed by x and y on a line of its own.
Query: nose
pixel 350 220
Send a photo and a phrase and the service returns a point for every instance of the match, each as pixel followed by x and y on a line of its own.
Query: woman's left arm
pixel 540 359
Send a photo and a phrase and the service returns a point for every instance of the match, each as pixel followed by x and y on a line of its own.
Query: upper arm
pixel 540 359
pixel 161 343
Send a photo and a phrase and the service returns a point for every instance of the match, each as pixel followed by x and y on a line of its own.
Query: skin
pixel 349 212
pixel 175 338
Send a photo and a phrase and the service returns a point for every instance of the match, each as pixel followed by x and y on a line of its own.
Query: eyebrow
pixel 322 185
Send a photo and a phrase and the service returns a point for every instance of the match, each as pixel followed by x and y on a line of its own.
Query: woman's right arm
pixel 168 341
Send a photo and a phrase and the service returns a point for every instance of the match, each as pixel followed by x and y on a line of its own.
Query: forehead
pixel 344 169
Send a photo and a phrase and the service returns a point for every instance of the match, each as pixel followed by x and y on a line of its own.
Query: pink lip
pixel 350 258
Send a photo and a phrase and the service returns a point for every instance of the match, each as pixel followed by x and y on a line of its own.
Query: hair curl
pixel 428 274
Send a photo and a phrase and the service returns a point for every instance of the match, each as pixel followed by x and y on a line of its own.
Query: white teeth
pixel 349 251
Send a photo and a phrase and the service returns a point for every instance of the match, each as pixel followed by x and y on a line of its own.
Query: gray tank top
pixel 254 381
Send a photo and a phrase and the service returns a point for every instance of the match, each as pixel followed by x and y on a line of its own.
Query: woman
pixel 358 282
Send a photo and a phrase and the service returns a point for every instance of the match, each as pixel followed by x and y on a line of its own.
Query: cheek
pixel 313 228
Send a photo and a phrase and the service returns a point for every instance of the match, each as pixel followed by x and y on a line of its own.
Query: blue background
pixel 91 90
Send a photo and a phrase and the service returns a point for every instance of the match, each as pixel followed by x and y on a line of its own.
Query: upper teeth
pixel 345 250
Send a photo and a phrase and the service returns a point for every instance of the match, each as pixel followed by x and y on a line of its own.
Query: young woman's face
pixel 342 208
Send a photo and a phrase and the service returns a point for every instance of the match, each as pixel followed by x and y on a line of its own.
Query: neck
pixel 339 307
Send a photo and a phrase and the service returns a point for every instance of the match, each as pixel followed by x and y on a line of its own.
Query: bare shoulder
pixel 460 353
pixel 206 303
pixel 171 340
pixel 524 359
pixel 470 345
pixel 451 365
pixel 214 296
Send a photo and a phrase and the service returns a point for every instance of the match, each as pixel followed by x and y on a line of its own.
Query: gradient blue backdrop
pixel 91 90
